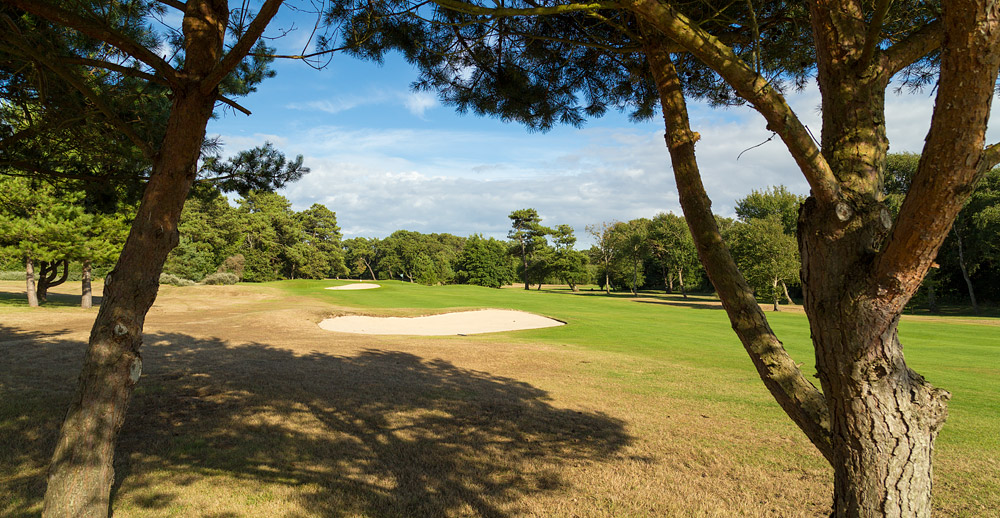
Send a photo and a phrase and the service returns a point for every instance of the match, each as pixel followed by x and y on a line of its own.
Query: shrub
pixel 233 264
pixel 12 275
pixel 173 280
pixel 221 278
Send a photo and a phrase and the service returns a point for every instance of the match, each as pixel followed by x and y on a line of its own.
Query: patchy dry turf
pixel 247 408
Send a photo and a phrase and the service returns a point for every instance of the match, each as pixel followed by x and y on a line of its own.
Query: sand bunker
pixel 462 323
pixel 357 286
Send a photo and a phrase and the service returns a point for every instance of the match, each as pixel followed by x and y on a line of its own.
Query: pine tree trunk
pixel 29 280
pixel 81 472
pixel 86 298
pixel 884 416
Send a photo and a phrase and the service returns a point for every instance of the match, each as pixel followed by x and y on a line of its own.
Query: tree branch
pixel 180 6
pixel 129 71
pixel 921 42
pixel 97 30
pixel 500 12
pixel 70 77
pixel 242 47
pixel 991 157
pixel 800 399
pixel 874 31
pixel 752 87
pixel 233 104
pixel 953 158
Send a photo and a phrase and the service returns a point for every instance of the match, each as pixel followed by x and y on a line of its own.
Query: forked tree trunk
pixel 86 297
pixel 885 417
pixel 876 420
pixel 47 277
pixel 29 280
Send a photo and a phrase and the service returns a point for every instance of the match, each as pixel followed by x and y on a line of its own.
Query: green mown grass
pixel 963 358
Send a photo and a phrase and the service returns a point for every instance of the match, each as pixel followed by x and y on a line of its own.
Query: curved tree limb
pixel 752 87
pixel 953 157
pixel 874 32
pixel 99 31
pixel 467 8
pixel 918 44
pixel 800 399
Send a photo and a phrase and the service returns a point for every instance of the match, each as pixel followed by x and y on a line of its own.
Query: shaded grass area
pixel 379 433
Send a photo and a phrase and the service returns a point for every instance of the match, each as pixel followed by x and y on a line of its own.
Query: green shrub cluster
pixel 173 280
pixel 12 275
pixel 221 278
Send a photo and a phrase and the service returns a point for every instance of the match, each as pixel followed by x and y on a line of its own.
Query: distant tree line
pixel 258 237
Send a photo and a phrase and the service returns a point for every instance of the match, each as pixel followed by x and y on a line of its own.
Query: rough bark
pixel 29 280
pixel 858 269
pixel 86 296
pixel 81 472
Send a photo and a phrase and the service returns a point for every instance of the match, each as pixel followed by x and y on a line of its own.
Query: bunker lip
pixel 356 286
pixel 456 323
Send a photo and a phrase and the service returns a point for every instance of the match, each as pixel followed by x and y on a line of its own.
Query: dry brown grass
pixel 247 408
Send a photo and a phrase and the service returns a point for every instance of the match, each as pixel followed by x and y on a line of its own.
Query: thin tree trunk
pixel 635 278
pixel 788 297
pixel 668 280
pixel 29 280
pixel 932 299
pixel 965 271
pixel 86 299
pixel 680 279
pixel 791 389
pixel 774 294
pixel 524 264
pixel 607 279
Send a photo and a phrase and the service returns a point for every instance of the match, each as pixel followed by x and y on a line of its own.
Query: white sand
pixel 461 323
pixel 357 286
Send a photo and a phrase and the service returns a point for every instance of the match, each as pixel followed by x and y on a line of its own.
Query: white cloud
pixel 419 102
pixel 465 182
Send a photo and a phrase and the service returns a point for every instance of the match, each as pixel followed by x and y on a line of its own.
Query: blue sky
pixel 386 158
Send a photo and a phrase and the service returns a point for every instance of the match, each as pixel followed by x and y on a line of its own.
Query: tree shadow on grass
pixel 379 433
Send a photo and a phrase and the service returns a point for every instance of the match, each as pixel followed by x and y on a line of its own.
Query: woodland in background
pixel 258 237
